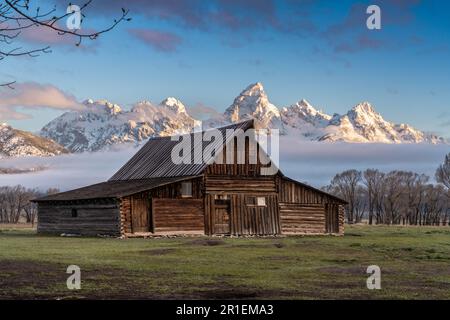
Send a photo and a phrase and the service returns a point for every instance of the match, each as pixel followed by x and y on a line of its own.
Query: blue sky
pixel 206 52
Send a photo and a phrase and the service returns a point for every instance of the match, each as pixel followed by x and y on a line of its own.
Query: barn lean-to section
pixel 151 195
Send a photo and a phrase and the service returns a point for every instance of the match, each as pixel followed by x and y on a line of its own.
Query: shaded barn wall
pixel 93 217
pixel 244 218
pixel 165 207
pixel 178 216
pixel 306 211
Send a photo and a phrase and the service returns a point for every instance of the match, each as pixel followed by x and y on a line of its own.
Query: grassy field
pixel 415 264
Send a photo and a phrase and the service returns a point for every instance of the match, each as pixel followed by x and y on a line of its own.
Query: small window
pixel 186 189
pixel 74 213
pixel 250 201
pixel 261 201
pixel 255 201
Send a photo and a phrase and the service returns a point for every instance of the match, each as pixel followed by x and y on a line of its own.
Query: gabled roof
pixel 154 158
pixel 112 189
pixel 313 189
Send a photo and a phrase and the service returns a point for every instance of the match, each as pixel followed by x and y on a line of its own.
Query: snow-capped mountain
pixel 102 124
pixel 17 143
pixel 363 124
pixel 254 103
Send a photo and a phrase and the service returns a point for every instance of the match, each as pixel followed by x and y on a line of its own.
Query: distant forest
pixel 396 197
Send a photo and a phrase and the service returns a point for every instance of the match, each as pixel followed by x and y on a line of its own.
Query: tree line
pixel 396 197
pixel 15 203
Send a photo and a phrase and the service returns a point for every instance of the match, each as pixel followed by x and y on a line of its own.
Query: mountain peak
pixel 254 103
pixel 364 107
pixel 174 105
pixel 107 106
pixel 254 89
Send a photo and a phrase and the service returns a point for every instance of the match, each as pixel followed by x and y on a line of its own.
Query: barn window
pixel 255 201
pixel 74 213
pixel 250 201
pixel 261 201
pixel 186 189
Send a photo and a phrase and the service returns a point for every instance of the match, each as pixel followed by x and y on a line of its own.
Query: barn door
pixel 140 215
pixel 332 218
pixel 222 216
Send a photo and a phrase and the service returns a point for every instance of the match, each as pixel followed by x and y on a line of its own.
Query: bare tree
pixel 443 172
pixel 18 15
pixel 373 181
pixel 345 184
pixel 15 203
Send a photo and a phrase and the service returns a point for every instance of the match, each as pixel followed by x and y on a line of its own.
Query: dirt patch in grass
pixel 340 270
pixel 25 279
pixel 207 242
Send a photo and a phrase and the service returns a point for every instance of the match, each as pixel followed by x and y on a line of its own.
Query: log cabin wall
pixel 168 211
pixel 81 217
pixel 304 210
pixel 236 199
pixel 178 216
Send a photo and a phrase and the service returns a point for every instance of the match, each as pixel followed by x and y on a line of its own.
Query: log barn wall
pixel 304 210
pixel 245 218
pixel 87 217
pixel 178 216
pixel 168 212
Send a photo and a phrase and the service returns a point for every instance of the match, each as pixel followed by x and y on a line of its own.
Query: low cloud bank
pixel 312 162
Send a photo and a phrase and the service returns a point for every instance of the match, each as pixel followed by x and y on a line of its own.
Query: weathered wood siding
pixel 167 210
pixel 245 219
pixel 302 218
pixel 242 164
pixel 304 210
pixel 178 215
pixel 94 217
pixel 227 184
pixel 291 192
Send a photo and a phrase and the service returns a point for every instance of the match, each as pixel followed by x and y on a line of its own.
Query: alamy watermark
pixel 230 146
pixel 73 21
pixel 374 280
pixel 374 20
pixel 74 280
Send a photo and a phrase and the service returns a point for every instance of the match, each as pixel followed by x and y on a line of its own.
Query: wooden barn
pixel 152 195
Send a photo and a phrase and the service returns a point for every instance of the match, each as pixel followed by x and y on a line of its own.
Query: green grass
pixel 415 264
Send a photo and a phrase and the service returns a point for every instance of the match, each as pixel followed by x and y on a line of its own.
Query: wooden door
pixel 332 218
pixel 140 215
pixel 222 216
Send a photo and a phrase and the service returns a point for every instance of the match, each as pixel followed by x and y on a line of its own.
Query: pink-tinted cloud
pixel 158 40
pixel 31 95
pixel 43 36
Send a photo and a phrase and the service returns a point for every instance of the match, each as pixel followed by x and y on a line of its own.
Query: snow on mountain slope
pixel 254 103
pixel 17 143
pixel 363 124
pixel 103 124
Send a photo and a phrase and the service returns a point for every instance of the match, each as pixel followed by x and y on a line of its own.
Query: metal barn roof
pixel 112 189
